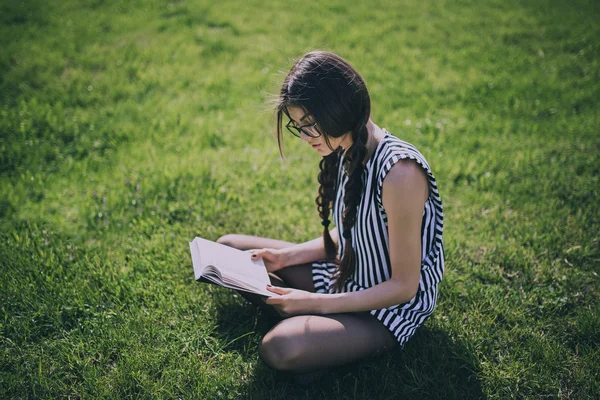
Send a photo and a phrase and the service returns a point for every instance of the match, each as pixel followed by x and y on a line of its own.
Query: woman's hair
pixel 335 95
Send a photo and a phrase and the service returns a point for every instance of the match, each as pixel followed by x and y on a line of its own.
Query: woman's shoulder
pixel 403 163
pixel 392 149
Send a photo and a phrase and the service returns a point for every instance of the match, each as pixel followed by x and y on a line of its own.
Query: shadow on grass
pixel 240 324
pixel 432 365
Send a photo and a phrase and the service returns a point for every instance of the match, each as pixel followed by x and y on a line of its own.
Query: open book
pixel 229 267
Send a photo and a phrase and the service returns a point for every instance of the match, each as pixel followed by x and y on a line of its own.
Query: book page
pixel 235 267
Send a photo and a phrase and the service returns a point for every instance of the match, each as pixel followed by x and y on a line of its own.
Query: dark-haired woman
pixel 369 283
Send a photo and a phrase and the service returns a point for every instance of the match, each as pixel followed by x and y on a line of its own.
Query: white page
pixel 198 267
pixel 236 267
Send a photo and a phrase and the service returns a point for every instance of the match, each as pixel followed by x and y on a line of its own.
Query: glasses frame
pixel 309 130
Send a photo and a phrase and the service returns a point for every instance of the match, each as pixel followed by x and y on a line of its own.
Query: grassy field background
pixel 128 128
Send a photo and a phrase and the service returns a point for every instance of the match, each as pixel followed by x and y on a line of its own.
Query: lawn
pixel 128 128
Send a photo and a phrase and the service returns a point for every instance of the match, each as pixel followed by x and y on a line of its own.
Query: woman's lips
pixel 315 146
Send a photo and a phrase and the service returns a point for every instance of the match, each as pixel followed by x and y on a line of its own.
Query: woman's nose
pixel 304 136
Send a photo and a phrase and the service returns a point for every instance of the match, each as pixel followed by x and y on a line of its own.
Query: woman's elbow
pixel 412 291
pixel 407 291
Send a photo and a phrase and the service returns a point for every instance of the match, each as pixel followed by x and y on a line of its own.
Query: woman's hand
pixel 274 259
pixel 292 302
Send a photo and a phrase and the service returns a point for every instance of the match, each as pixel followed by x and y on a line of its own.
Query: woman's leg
pixel 295 276
pixel 311 342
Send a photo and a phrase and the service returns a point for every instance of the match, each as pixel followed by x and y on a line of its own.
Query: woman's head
pixel 328 106
pixel 325 95
pixel 303 125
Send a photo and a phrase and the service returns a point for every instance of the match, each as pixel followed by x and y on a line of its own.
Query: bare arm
pixel 306 252
pixel 405 191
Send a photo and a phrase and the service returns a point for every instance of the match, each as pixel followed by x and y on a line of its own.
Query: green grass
pixel 128 128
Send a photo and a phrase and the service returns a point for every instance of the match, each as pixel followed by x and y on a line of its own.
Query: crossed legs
pixel 311 342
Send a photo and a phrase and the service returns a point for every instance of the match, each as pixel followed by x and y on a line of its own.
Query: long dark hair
pixel 329 88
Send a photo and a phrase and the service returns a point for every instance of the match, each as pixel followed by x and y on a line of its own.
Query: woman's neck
pixel 374 136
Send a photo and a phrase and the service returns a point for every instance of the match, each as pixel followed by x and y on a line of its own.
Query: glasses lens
pixel 311 130
pixel 293 130
pixel 308 130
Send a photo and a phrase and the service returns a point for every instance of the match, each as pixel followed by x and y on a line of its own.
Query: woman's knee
pixel 281 352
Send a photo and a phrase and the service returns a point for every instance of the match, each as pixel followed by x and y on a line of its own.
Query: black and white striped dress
pixel 371 245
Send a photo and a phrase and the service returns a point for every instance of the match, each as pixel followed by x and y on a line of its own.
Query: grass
pixel 128 128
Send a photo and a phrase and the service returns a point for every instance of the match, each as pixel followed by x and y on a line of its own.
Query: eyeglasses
pixel 309 130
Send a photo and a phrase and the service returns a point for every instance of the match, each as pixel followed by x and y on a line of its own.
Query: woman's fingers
pixel 273 301
pixel 277 290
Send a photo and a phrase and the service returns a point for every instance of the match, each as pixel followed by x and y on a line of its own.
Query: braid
pixel 353 193
pixel 324 200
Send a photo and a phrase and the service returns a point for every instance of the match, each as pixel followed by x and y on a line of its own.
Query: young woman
pixel 369 283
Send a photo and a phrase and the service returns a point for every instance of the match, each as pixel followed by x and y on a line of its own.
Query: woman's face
pixel 300 117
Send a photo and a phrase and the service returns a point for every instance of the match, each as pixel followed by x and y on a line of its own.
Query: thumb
pixel 254 254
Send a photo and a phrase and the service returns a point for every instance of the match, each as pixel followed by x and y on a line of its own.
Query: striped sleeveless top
pixel 371 246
